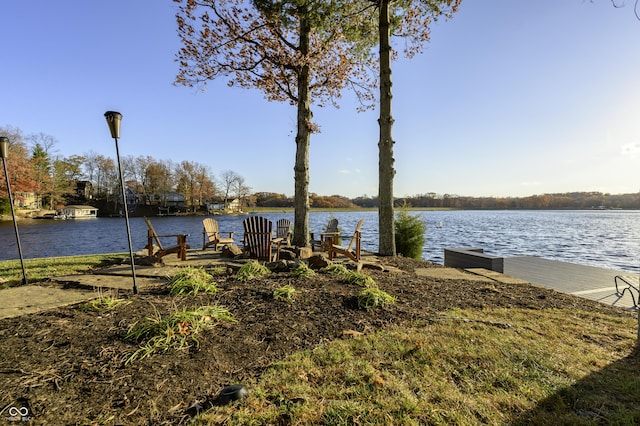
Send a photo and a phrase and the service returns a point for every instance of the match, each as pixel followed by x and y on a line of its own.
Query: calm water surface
pixel 608 239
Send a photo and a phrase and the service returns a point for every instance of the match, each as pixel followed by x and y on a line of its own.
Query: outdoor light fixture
pixel 4 153
pixel 113 120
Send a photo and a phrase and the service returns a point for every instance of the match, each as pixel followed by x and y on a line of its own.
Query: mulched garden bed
pixel 67 365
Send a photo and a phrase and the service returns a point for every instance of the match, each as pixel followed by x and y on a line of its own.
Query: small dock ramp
pixel 590 282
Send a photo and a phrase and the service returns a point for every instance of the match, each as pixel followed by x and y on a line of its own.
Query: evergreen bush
pixel 5 207
pixel 409 235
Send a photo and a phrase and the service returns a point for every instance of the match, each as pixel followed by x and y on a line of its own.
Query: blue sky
pixel 510 98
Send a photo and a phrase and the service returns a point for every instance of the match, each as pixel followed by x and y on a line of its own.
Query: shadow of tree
pixel 610 396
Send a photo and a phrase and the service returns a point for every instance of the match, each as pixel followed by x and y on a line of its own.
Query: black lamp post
pixel 4 153
pixel 113 120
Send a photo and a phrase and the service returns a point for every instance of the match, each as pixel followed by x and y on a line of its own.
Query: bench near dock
pixel 590 282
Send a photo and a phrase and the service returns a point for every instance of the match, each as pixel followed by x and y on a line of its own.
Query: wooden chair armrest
pixel 330 234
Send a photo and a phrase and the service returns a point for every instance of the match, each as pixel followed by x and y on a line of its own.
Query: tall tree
pixel 186 172
pixel 43 156
pixel 66 173
pixel 241 190
pixel 158 180
pixel 293 51
pixel 410 20
pixel 19 165
pixel 43 174
pixel 228 179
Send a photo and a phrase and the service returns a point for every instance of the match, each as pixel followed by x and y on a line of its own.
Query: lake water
pixel 603 238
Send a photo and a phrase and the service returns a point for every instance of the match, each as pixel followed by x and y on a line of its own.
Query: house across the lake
pixel 79 212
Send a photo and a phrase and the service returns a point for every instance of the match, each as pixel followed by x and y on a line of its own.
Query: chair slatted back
pixel 283 229
pixel 258 235
pixel 356 235
pixel 331 232
pixel 211 229
pixel 332 227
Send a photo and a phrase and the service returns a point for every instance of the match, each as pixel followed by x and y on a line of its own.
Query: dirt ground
pixel 67 365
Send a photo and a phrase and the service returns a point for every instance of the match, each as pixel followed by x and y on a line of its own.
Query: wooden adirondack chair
pixel 331 231
pixel 283 230
pixel 211 234
pixel 258 239
pixel 180 249
pixel 352 251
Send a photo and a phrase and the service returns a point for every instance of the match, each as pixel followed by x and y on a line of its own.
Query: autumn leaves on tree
pixel 295 52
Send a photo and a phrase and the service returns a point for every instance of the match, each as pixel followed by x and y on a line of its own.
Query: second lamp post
pixel 113 120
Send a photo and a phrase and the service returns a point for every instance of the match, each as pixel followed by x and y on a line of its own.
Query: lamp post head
pixel 113 120
pixel 4 147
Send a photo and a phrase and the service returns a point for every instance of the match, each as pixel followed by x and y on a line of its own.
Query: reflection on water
pixel 608 239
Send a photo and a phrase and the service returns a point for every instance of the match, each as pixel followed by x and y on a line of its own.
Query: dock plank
pixel 581 280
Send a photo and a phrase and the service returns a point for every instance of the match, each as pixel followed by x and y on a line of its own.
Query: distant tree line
pixel 567 201
pixel 35 167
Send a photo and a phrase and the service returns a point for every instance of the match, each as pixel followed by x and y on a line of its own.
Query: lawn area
pixel 466 367
pixel 43 268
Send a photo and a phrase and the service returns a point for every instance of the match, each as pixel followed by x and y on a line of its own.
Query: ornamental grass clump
pixel 373 297
pixel 217 271
pixel 191 281
pixel 358 278
pixel 105 303
pixel 335 269
pixel 285 293
pixel 252 270
pixel 302 270
pixel 175 332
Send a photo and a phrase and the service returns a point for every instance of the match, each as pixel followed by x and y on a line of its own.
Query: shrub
pixel 5 206
pixel 409 235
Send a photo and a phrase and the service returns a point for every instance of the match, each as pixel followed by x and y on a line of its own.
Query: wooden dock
pixel 585 281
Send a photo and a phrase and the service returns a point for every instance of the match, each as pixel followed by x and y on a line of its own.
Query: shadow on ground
pixel 584 403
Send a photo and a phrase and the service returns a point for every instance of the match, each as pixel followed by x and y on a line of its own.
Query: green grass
pixel 470 367
pixel 175 332
pixel 43 268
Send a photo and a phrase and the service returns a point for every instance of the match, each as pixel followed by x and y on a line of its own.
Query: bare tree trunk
pixel 303 138
pixel 386 172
